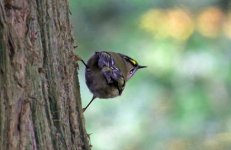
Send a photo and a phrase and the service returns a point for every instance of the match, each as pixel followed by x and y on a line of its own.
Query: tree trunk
pixel 40 105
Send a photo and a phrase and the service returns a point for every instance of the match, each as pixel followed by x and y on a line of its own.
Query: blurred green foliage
pixel 182 100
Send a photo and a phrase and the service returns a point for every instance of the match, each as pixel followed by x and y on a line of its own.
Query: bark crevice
pixel 40 106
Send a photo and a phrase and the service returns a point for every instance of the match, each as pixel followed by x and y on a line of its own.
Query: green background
pixel 182 100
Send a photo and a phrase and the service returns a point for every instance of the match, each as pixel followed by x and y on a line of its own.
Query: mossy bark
pixel 40 105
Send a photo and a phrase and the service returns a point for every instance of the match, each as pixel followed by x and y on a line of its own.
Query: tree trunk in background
pixel 224 5
pixel 40 105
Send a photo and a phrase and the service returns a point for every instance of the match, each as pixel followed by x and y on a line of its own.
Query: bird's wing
pixel 104 59
pixel 111 72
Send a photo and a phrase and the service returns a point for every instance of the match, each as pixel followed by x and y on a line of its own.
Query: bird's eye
pixel 131 71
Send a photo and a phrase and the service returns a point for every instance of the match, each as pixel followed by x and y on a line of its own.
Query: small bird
pixel 107 73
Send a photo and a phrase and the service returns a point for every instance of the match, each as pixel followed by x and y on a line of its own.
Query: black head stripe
pixel 132 61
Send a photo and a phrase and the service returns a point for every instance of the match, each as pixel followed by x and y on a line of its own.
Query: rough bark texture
pixel 40 105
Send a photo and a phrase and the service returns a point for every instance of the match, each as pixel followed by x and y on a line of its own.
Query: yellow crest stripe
pixel 133 62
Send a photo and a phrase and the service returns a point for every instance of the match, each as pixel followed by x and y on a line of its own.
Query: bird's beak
pixel 139 67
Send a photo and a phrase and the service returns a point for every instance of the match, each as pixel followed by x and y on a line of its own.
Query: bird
pixel 106 74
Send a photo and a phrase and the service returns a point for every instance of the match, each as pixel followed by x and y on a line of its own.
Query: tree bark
pixel 40 106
